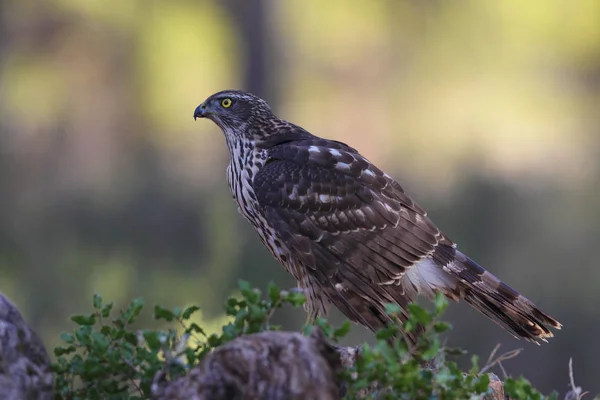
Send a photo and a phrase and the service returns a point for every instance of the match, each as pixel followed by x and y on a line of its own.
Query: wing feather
pixel 365 243
pixel 346 207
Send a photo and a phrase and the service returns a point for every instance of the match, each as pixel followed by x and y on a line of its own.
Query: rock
pixel 24 363
pixel 268 365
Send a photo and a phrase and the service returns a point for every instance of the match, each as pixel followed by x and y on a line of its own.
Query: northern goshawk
pixel 345 229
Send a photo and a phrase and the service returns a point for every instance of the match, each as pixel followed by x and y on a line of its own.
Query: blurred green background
pixel 487 112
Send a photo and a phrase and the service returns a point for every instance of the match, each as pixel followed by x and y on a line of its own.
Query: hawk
pixel 345 229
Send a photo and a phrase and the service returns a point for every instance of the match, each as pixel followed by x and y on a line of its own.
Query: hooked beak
pixel 200 111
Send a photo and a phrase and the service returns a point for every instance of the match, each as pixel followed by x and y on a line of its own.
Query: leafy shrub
pixel 105 358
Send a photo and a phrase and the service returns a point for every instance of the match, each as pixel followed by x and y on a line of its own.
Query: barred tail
pixel 499 302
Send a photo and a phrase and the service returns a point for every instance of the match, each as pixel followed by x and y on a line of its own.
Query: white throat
pixel 245 162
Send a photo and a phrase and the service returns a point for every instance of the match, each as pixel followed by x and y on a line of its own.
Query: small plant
pixel 105 358
pixel 420 372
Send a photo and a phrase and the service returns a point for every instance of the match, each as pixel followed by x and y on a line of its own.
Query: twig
pixel 135 370
pixel 575 392
pixel 498 361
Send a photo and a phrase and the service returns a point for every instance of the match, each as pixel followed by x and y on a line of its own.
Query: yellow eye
pixel 226 103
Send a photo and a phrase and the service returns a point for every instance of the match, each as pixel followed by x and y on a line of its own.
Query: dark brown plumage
pixel 263 366
pixel 345 229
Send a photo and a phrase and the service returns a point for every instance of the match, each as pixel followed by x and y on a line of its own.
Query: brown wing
pixel 347 222
pixel 366 243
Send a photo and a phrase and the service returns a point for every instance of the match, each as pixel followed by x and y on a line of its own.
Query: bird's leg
pixel 312 313
pixel 311 316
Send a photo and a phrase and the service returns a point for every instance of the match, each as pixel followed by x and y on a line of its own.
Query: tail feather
pixel 353 291
pixel 499 302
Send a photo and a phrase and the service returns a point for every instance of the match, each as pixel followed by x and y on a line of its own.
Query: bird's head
pixel 234 111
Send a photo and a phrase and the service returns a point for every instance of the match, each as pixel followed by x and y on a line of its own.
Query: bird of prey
pixel 345 229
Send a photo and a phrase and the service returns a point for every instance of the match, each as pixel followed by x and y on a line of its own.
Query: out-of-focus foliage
pixel 487 111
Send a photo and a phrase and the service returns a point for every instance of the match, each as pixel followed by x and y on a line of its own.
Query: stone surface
pixel 24 362
pixel 267 365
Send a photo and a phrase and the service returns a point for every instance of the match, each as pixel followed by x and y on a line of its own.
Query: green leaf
pixel 432 351
pixel 99 341
pixel 194 328
pixel 274 292
pixel 131 338
pixel 392 309
pixel 482 384
pixel 106 310
pixel 83 334
pixel 107 331
pixel 119 323
pixel 419 314
pixel 387 332
pixel 97 301
pixel 67 337
pixel 134 309
pixel 214 340
pixel 117 334
pixel 296 299
pixel 187 313
pixel 342 330
pixel 474 364
pixel 400 346
pixel 440 327
pixel 250 294
pixel 163 313
pixel 177 312
pixel 387 353
pixel 324 325
pixel 59 351
pixel 441 303
pixel 520 389
pixel 240 317
pixel 244 286
pixel 84 319
pixel 152 339
pixel 257 313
